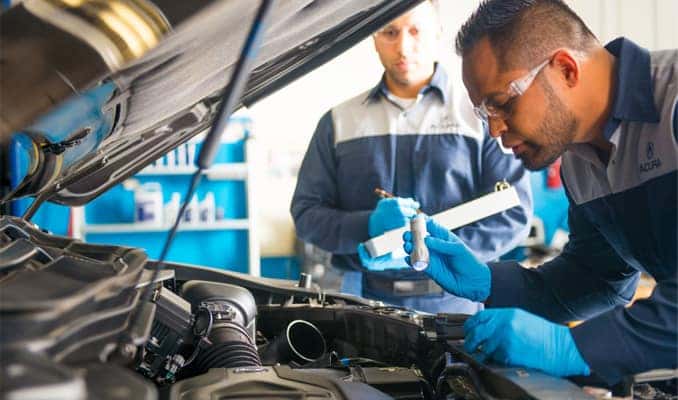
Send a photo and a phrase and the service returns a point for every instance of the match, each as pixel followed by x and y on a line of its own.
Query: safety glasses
pixel 489 108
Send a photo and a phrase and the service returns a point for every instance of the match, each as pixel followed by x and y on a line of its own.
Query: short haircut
pixel 524 32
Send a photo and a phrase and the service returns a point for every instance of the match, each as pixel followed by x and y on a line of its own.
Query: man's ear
pixel 567 66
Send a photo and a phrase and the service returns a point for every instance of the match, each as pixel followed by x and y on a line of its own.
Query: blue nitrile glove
pixel 381 263
pixel 391 213
pixel 451 264
pixel 515 337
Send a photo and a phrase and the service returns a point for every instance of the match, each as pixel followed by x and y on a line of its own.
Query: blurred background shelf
pixel 232 171
pixel 227 224
pixel 229 242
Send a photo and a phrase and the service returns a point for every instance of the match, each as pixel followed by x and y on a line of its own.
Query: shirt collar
pixel 634 100
pixel 437 85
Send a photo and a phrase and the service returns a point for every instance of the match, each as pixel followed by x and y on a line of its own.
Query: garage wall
pixel 285 121
pixel 650 23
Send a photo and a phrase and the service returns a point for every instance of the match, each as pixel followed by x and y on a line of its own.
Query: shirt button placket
pixel 612 168
pixel 402 121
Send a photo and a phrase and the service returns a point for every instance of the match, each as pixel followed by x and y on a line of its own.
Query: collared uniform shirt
pixel 435 151
pixel 622 220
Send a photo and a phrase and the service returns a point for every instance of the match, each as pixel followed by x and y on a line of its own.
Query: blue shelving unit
pixel 229 243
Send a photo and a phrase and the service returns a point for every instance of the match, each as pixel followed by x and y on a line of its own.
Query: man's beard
pixel 401 80
pixel 557 130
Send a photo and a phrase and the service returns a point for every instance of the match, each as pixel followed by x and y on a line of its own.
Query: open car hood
pixel 93 91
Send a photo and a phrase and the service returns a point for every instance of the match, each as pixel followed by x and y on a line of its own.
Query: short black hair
pixel 523 32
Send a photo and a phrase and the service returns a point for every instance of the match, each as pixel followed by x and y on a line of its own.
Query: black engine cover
pixel 61 297
pixel 273 383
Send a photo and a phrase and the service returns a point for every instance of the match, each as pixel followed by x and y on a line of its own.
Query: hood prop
pixel 231 100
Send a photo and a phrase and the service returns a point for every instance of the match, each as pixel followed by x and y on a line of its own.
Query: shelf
pixel 231 171
pixel 226 224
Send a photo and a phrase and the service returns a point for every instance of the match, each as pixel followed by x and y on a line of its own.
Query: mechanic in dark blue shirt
pixel 548 88
pixel 414 135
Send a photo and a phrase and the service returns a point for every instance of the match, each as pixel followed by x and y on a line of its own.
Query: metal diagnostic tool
pixel 419 255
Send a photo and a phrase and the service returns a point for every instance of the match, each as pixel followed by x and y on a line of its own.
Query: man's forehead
pixel 424 13
pixel 480 72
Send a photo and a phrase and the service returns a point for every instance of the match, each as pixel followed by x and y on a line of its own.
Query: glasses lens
pixel 479 113
pixel 487 110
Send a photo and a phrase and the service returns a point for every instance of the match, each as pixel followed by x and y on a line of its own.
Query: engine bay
pixel 73 327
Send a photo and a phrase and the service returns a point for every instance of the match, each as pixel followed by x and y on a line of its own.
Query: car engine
pixel 72 327
pixel 100 90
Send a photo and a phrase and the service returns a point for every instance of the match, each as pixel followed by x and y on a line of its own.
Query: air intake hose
pixel 300 341
pixel 231 311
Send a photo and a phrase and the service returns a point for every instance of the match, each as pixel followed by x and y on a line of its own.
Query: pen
pixel 387 195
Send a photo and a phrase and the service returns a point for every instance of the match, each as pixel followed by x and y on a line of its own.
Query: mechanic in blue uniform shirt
pixel 548 87
pixel 414 135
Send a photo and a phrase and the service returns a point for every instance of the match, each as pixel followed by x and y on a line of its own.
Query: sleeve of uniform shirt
pixel 639 338
pixel 314 204
pixel 589 281
pixel 498 234
pixel 586 279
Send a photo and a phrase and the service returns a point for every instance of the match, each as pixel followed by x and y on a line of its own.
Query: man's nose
pixel 406 43
pixel 497 126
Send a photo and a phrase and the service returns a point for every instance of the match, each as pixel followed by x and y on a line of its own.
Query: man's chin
pixel 533 167
pixel 536 162
pixel 407 78
pixel 401 79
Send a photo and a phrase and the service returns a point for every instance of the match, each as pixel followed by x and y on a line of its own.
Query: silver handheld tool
pixel 419 255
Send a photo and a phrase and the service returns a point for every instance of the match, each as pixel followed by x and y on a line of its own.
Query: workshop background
pixel 286 120
pixel 240 219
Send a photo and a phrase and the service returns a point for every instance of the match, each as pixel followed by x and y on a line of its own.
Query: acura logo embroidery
pixel 652 163
pixel 446 124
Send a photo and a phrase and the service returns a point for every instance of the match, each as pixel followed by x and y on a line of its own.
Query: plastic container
pixel 172 208
pixel 171 159
pixel 182 159
pixel 148 207
pixel 192 150
pixel 220 213
pixel 208 208
pixel 192 213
